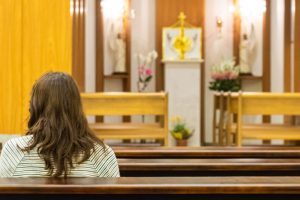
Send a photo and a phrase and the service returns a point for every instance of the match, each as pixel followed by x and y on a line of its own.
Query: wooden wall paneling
pixel 167 12
pixel 287 51
pixel 287 45
pixel 99 51
pixel 99 48
pixel 127 27
pixel 236 32
pixel 266 85
pixel 78 40
pixel 297 48
pixel 267 48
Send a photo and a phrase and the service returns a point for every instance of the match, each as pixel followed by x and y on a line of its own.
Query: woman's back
pixel 15 162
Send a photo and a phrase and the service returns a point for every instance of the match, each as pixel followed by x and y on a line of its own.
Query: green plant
pixel 179 130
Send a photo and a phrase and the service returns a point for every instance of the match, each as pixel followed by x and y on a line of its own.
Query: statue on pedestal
pixel 244 56
pixel 118 46
pixel 248 52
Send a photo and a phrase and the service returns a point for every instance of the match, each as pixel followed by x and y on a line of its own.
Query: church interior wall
pixel 143 41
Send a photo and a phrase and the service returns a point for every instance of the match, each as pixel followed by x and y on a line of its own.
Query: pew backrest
pixel 128 104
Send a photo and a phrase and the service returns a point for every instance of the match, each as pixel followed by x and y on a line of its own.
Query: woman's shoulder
pixel 102 151
pixel 102 148
pixel 20 142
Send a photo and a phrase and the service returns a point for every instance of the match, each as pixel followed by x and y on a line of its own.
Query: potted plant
pixel 225 77
pixel 180 131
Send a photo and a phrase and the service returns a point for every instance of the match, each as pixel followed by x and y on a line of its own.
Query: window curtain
pixel 35 37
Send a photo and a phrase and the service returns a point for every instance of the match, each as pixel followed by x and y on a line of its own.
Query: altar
pixel 183 84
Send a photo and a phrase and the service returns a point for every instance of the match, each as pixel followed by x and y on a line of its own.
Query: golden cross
pixel 181 18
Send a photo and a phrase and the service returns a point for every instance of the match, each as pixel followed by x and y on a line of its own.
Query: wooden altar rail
pixel 209 167
pixel 175 188
pixel 207 152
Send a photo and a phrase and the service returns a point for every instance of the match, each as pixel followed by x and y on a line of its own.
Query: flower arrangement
pixel 145 69
pixel 179 130
pixel 225 77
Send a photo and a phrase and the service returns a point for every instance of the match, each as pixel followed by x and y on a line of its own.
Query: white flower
pixel 153 54
pixel 141 58
pixel 148 59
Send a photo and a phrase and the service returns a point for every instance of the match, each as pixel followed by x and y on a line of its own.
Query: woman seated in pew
pixel 58 142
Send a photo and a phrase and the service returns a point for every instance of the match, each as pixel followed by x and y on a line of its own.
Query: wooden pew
pixel 263 104
pixel 124 104
pixel 208 161
pixel 209 167
pixel 207 152
pixel 219 113
pixel 175 188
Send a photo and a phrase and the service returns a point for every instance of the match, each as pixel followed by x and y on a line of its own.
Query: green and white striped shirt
pixel 16 163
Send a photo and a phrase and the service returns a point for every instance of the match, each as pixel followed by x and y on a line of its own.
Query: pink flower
pixel 141 69
pixel 148 72
pixel 233 76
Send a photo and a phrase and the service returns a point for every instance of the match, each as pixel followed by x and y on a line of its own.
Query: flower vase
pixel 141 86
pixel 181 143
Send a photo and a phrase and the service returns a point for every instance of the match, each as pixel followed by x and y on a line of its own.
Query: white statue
pixel 244 55
pixel 248 51
pixel 118 46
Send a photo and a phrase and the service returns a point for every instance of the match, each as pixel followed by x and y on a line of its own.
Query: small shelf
pixel 250 77
pixel 117 76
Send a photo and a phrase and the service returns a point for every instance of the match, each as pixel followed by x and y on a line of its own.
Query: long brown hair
pixel 58 125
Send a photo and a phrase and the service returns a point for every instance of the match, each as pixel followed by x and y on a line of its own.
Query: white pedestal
pixel 182 82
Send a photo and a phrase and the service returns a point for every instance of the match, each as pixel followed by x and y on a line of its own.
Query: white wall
pixel 142 37
pixel 90 46
pixel 277 50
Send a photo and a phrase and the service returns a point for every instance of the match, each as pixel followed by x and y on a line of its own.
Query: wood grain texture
pixel 267 48
pixel 128 104
pixel 99 48
pixel 11 119
pixel 124 103
pixel 36 37
pixel 139 167
pixel 287 45
pixel 266 86
pixel 297 48
pixel 236 32
pixel 264 104
pixel 152 185
pixel 207 152
pixel 78 45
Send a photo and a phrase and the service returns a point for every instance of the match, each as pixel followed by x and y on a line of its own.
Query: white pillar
pixel 182 82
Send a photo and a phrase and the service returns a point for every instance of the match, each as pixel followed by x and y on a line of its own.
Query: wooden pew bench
pixel 128 104
pixel 243 104
pixel 209 167
pixel 208 161
pixel 137 188
pixel 207 152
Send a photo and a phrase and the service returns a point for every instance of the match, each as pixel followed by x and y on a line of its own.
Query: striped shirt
pixel 17 163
